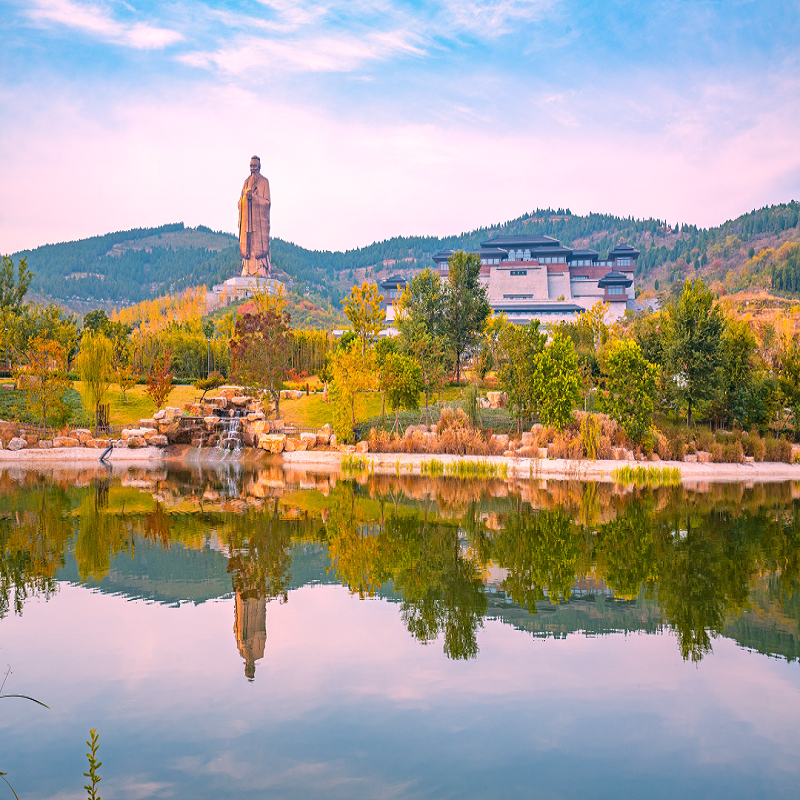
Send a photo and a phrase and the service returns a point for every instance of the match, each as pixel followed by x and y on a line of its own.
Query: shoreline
pixel 410 463
pixel 328 461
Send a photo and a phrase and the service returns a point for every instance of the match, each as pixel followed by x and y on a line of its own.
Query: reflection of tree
pixel 625 552
pixel 34 533
pixel 540 550
pixel 100 536
pixel 442 589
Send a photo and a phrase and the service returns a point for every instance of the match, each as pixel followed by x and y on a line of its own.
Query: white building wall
pixel 533 283
pixel 558 284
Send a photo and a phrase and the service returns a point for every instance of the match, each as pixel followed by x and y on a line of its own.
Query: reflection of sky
pixel 392 117
pixel 346 704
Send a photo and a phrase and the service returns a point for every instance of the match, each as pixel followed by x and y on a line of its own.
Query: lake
pixel 260 633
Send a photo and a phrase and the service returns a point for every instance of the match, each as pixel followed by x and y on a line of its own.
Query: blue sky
pixel 381 118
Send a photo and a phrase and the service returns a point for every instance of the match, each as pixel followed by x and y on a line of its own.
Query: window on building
pixel 623 262
pixel 616 290
pixel 526 256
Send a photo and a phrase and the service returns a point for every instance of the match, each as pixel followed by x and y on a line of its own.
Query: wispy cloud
pixel 98 21
pixel 492 18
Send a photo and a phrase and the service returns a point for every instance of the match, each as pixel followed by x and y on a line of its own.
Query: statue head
pixel 255 164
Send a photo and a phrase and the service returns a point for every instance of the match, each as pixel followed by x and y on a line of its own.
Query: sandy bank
pixel 409 464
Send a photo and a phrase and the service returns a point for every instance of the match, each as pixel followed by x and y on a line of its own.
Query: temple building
pixel 536 277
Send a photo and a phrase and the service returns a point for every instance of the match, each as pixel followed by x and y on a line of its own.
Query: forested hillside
pixel 756 249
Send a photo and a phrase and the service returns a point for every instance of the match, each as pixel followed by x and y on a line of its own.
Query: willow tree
pixel 95 364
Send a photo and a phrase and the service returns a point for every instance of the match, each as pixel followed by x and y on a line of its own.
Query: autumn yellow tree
pixel 43 376
pixel 352 373
pixel 95 363
pixel 364 308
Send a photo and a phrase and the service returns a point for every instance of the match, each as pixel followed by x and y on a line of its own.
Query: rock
pixel 127 433
pixel 748 459
pixel 332 442
pixel 148 423
pixel 8 430
pixel 98 444
pixel 240 401
pixel 149 433
pixel 542 452
pixel 159 415
pixel 277 425
pixel 291 445
pixel 257 426
pixel 412 429
pixel 704 457
pixel 528 439
pixel 81 434
pixel 690 458
pixel 655 457
pixel 498 441
pixel 9 387
pixel 228 392
pixel 65 441
pixel 255 416
pixel 158 441
pixel 31 438
pixel 17 444
pixel 510 454
pixel 272 442
pixel 291 394
pixel 136 442
pixel 218 402
pixel 45 444
pixel 309 438
pixel 210 423
pixel 362 447
pixel 496 399
pixel 120 444
pixel 326 428
pixel 323 438
pixel 194 409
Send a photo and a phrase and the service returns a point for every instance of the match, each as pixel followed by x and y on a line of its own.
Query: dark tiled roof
pixel 622 251
pixel 521 241
pixel 495 252
pixel 614 278
pixel 585 254
pixel 392 281
pixel 442 255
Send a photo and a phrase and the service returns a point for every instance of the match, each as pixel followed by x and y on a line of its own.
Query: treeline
pixel 139 274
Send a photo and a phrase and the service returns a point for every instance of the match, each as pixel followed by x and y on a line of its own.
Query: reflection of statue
pixel 250 629
pixel 254 205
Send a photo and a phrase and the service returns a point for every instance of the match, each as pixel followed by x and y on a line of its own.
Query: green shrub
pixel 778 450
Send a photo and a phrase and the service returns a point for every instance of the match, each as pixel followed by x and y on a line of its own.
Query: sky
pixel 391 117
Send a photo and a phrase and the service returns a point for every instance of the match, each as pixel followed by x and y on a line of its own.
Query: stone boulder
pixel 362 447
pixel 499 441
pixel 31 438
pixel 690 458
pixel 703 457
pixel 159 415
pixel 81 434
pixel 65 441
pixel 272 442
pixel 158 441
pixel 45 444
pixel 98 444
pixel 323 437
pixel 309 438
pixel 528 439
pixel 239 401
pixel 497 399
pixel 291 394
pixel 17 443
pixel 148 423
pixel 136 442
pixel 228 392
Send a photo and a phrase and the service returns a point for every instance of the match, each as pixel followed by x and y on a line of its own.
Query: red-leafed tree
pixel 260 351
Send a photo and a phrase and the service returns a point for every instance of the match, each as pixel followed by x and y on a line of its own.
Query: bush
pixel 566 445
pixel 778 450
pixel 730 452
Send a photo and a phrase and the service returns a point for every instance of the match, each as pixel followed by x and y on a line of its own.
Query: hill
pixel 758 249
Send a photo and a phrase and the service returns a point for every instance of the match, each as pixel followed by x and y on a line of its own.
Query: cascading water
pixel 230 435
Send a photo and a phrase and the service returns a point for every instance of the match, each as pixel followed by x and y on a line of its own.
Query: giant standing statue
pixel 254 204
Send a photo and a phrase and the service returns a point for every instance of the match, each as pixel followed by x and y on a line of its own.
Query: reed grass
pixel 354 463
pixel 463 468
pixel 647 476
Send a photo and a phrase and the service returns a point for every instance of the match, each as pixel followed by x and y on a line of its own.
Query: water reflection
pixel 552 558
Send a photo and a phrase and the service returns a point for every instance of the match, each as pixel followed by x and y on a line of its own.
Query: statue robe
pixel 254 226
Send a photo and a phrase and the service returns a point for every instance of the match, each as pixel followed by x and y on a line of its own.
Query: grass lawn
pixel 139 405
pixel 313 412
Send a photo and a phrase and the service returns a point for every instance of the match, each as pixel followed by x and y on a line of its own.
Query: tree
pixel 365 311
pixel 521 347
pixel 556 382
pixel 401 380
pixel 489 354
pixel 629 388
pixel 694 352
pixel 95 363
pixel 44 379
pixel 420 321
pixel 351 373
pixel 97 321
pixel 466 304
pixel 13 290
pixel 159 381
pixel 260 351
pixel 789 380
